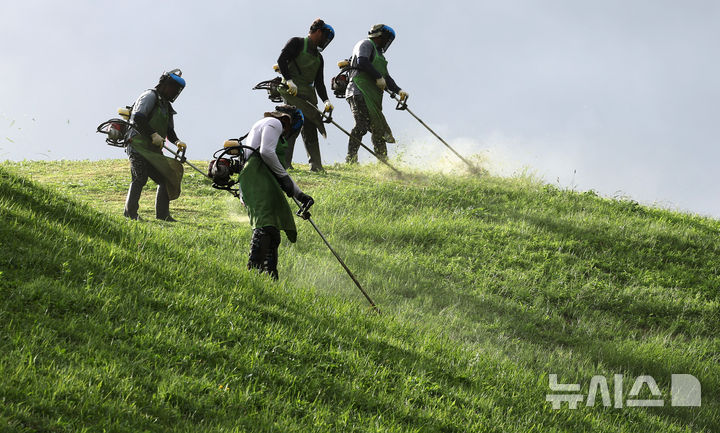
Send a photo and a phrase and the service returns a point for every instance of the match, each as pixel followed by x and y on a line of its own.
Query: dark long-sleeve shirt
pixel 362 58
pixel 142 110
pixel 291 50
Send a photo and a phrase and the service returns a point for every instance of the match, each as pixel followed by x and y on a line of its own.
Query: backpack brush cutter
pixel 338 85
pixel 229 162
pixel 226 163
pixel 116 131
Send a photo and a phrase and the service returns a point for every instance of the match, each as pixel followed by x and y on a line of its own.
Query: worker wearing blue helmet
pixel 264 179
pixel 369 78
pixel 301 65
pixel 152 119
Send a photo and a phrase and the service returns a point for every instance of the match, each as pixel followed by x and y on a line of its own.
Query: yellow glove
pixel 181 146
pixel 157 140
pixel 292 88
pixel 403 95
pixel 328 106
pixel 380 82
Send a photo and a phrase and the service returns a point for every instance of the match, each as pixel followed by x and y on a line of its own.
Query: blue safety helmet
pixel 296 116
pixel 386 33
pixel 329 34
pixel 327 31
pixel 174 77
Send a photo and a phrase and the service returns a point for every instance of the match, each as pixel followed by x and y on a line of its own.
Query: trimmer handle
pixel 401 103
pixel 327 116
pixel 304 211
pixel 180 155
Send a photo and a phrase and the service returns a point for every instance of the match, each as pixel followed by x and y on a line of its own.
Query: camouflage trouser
pixel 362 126
pixel 141 170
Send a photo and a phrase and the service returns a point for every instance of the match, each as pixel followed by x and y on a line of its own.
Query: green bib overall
pixel 265 200
pixel 303 70
pixel 170 169
pixel 373 96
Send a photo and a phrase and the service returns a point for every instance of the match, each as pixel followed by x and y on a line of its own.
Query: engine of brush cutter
pixel 226 163
pixel 221 170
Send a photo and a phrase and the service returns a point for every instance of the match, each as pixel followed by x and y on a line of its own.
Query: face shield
pixel 383 35
pixel 297 120
pixel 173 84
pixel 176 86
pixel 328 35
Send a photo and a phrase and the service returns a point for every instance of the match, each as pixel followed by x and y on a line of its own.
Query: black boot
pixel 263 250
pixel 271 261
pixel 132 201
pixel 162 204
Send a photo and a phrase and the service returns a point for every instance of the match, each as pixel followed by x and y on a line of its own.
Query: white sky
pixel 618 96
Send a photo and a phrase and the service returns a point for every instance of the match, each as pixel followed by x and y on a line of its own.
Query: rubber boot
pixel 312 147
pixel 162 204
pixel 132 201
pixel 263 250
pixel 271 260
pixel 380 149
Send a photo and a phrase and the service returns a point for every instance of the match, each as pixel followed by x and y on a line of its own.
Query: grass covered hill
pixel 487 287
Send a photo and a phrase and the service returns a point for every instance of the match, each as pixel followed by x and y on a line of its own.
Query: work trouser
pixel 140 170
pixel 309 134
pixel 264 250
pixel 362 126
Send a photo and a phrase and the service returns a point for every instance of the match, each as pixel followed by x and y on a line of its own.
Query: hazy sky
pixel 618 96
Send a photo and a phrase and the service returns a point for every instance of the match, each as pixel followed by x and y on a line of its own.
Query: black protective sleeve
pixel 171 135
pixel 286 184
pixel 391 84
pixel 364 64
pixel 292 48
pixel 319 81
pixel 142 124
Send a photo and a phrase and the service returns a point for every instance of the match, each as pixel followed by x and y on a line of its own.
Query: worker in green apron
pixel 264 179
pixel 369 78
pixel 301 66
pixel 152 120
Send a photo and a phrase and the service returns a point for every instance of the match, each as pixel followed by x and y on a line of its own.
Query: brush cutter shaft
pixel 329 119
pixel 342 263
pixel 183 159
pixel 402 105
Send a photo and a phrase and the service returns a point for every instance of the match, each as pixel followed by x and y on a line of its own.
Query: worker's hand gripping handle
pixel 304 210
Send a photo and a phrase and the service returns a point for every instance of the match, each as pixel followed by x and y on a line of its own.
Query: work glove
pixel 403 95
pixel 157 140
pixel 181 146
pixel 328 106
pixel 305 199
pixel 292 88
pixel 380 82
pixel 286 184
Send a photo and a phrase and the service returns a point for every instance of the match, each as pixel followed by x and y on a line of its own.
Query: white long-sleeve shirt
pixel 264 136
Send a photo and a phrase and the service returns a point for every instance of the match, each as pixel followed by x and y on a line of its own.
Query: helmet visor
pixel 328 35
pixel 297 120
pixel 388 36
pixel 174 88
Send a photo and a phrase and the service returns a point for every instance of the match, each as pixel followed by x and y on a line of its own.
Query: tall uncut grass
pixel 487 286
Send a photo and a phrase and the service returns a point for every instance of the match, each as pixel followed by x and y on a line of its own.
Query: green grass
pixel 487 285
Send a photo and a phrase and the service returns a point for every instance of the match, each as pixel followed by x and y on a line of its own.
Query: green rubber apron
pixel 171 170
pixel 265 200
pixel 373 97
pixel 303 70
